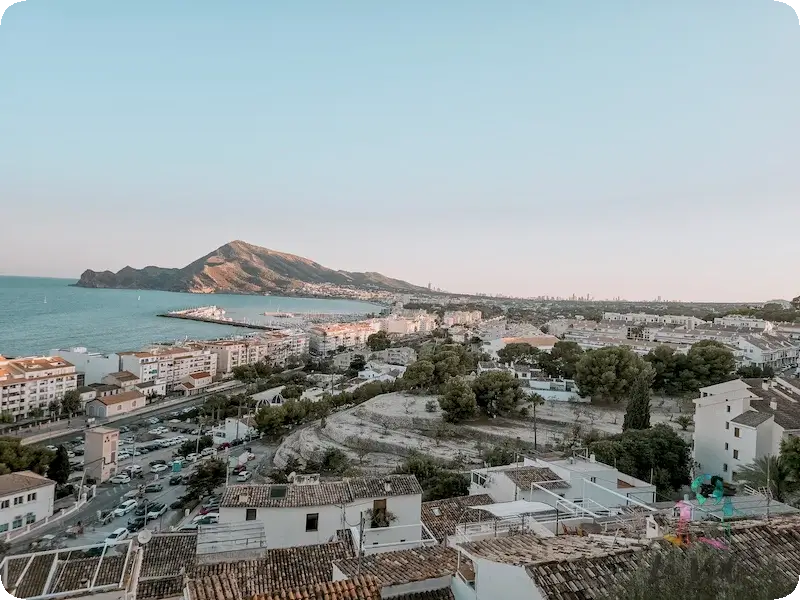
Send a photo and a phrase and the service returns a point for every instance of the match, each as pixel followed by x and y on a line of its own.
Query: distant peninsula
pixel 242 268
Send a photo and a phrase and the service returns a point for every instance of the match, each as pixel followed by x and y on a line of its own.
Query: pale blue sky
pixel 522 147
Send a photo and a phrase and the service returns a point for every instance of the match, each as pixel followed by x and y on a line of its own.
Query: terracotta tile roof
pixel 22 481
pixel 404 566
pixel 72 574
pixel 123 376
pixel 281 568
pixel 381 487
pixel 442 594
pixel 273 496
pixel 158 589
pixel 34 578
pixel 527 549
pixel 214 587
pixel 358 588
pixel 117 398
pixel 441 516
pixel 165 554
pixel 751 418
pixel 201 375
pixel 320 494
pixel 524 477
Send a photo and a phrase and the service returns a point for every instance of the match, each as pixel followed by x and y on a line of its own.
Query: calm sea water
pixel 39 314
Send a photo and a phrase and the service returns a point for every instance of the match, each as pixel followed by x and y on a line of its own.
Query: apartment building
pixel 776 351
pixel 168 364
pixel 331 337
pixel 312 512
pixel 743 322
pixel 275 348
pixel 646 318
pixel 25 499
pixel 739 421
pixel 401 325
pixel 94 365
pixel 33 383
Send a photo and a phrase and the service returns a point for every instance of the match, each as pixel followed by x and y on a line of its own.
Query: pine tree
pixel 59 468
pixel 637 413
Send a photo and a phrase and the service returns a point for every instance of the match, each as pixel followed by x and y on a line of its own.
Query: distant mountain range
pixel 241 268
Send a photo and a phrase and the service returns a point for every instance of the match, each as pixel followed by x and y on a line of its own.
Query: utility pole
pixel 360 543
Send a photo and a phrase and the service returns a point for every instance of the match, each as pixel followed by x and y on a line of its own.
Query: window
pixel 32 497
pixel 479 479
pixel 250 514
pixel 30 518
pixel 312 522
pixel 725 468
pixel 17 523
pixel 593 479
pixel 5 504
pixel 18 500
pixel 727 409
pixel 727 425
pixel 3 527
pixel 379 505
pixel 735 454
pixel 735 432
pixel 277 491
pixel 734 475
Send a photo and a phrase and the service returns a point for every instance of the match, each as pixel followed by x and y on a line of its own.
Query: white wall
pixel 41 507
pixel 710 434
pixel 286 527
pixel 95 366
pixel 407 526
pixel 494 581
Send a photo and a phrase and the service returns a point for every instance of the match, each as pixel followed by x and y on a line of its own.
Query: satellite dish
pixel 144 536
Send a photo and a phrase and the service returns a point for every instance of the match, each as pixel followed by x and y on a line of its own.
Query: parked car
pixel 133 468
pixel 159 461
pixel 244 476
pixel 160 468
pixel 206 519
pixel 117 535
pixel 123 456
pixel 156 510
pixel 239 469
pixel 124 429
pixel 120 479
pixel 204 510
pixel 237 442
pixel 176 480
pixel 124 508
pixel 177 505
pixel 153 487
pixel 136 523
pixel 208 452
pixel 78 450
pixel 51 448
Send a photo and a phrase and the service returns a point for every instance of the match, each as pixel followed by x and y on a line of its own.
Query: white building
pixel 94 365
pixel 645 318
pixel 101 445
pixel 581 481
pixel 302 514
pixel 743 322
pixel 25 499
pixel 738 421
pixel 461 317
pixel 116 404
pixel 776 351
pixel 275 348
pixel 168 364
pixel 331 337
pixel 234 429
pixel 33 383
pixel 400 325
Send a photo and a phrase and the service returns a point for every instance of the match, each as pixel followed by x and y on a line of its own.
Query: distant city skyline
pixel 633 151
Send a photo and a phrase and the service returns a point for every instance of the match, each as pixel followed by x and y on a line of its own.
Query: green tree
pixel 658 453
pixel 270 420
pixel 563 359
pixel 209 475
pixel 664 361
pixel 192 446
pixel 293 391
pixel 500 455
pixel 790 454
pixel 378 341
pixel 518 352
pixel 71 403
pixel 705 572
pixel 419 375
pixel 59 468
pixel 684 421
pixel 756 372
pixel 356 365
pixel 637 413
pixel 535 400
pixel 711 362
pixel 608 373
pixel 15 457
pixel 437 481
pixel 773 473
pixel 36 413
pixel 497 392
pixel 458 401
pixel 334 461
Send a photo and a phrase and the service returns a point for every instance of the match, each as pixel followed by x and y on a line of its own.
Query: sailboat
pixel 45 299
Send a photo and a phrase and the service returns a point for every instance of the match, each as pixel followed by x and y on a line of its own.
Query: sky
pixel 615 148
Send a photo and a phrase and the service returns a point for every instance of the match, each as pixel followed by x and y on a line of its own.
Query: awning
pixel 515 509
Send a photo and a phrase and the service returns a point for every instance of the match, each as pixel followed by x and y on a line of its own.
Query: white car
pixel 121 478
pixel 123 456
pixel 208 452
pixel 244 476
pixel 153 431
pixel 158 468
pixel 133 468
pixel 52 448
pixel 124 508
pixel 192 457
pixel 154 514
pixel 117 535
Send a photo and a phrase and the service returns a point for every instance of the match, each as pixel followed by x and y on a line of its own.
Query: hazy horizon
pixel 618 150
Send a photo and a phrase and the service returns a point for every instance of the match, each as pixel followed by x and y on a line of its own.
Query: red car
pixel 239 468
pixel 223 446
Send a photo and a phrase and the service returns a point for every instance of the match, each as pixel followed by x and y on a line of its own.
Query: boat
pixel 45 299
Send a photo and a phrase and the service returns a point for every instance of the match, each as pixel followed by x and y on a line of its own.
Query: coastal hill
pixel 240 268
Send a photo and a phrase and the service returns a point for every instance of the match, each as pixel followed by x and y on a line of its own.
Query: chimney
pixel 773 405
pixel 387 485
pixel 592 458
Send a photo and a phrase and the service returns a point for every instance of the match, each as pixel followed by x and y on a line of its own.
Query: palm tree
pixel 535 400
pixel 771 472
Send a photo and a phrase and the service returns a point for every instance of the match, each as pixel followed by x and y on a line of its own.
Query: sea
pixel 40 314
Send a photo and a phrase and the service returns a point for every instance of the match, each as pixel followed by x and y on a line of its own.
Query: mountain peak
pixel 243 268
